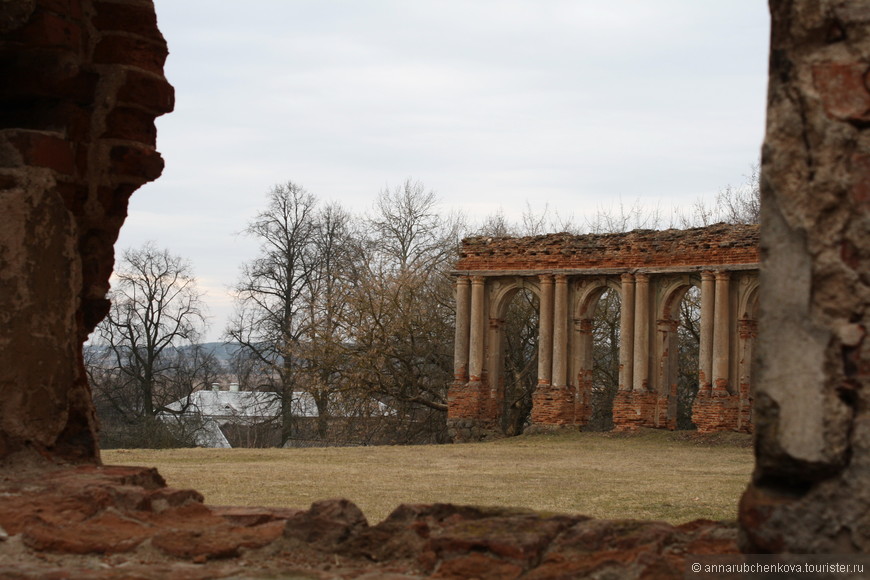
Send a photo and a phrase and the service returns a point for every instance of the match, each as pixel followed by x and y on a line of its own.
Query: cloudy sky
pixel 576 104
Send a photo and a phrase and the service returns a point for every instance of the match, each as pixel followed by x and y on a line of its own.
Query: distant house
pixel 214 414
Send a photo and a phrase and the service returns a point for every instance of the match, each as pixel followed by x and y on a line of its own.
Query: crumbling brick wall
pixel 706 246
pixel 664 264
pixel 82 81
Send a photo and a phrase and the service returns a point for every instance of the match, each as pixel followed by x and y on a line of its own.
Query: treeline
pixel 351 314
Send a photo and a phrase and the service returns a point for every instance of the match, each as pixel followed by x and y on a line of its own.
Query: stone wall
pixel 811 487
pixel 82 84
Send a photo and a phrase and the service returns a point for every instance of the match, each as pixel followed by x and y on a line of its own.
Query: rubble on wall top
pixel 718 243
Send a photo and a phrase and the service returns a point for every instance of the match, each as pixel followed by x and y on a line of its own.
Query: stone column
pixel 545 337
pixel 478 329
pixel 560 332
pixel 705 351
pixel 463 321
pixel 626 333
pixel 721 334
pixel 641 333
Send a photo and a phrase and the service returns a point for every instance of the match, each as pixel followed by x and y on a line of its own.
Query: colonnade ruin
pixel 651 272
pixel 82 83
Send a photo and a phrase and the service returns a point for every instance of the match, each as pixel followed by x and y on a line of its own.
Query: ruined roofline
pixel 716 246
pixel 617 270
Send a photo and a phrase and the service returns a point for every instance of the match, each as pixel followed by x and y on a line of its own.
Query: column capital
pixel 479 280
pixel 723 275
pixel 641 278
pixel 463 280
pixel 546 278
pixel 561 278
pixel 626 277
pixel 707 275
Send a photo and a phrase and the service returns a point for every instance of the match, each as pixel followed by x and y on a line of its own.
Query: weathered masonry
pixel 650 271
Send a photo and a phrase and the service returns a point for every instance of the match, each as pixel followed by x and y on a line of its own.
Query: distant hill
pixel 222 351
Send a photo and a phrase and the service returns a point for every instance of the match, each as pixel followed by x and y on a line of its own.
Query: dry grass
pixel 649 475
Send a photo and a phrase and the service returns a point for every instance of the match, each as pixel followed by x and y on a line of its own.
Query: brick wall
pixel 712 245
pixel 82 84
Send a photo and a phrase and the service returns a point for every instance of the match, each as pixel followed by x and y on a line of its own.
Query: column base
pixel 470 412
pixel 635 409
pixel 718 412
pixel 553 406
pixel 535 429
pixel 471 430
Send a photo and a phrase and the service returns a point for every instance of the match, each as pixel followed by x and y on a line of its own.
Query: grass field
pixel 651 474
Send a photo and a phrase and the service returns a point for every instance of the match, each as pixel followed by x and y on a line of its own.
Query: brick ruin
pixel 83 83
pixel 651 272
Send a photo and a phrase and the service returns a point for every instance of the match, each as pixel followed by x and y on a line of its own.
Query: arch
pixel 504 290
pixel 675 395
pixel 588 291
pixel 587 294
pixel 747 331
pixel 502 295
pixel 673 293
pixel 748 306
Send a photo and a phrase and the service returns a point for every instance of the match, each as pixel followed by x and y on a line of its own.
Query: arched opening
pixel 688 347
pixel 747 332
pixel 519 361
pixel 605 360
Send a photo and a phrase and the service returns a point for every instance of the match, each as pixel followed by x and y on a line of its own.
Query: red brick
pixel 41 149
pixel 131 18
pixel 843 89
pixel 131 125
pixel 860 190
pixel 47 30
pixel 147 91
pixel 717 244
pixel 132 51
pixel 141 163
pixel 115 199
pixel 73 8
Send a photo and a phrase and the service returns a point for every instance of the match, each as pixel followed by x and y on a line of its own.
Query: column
pixel 560 332
pixel 626 333
pixel 705 349
pixel 641 332
pixel 478 329
pixel 721 334
pixel 545 336
pixel 463 321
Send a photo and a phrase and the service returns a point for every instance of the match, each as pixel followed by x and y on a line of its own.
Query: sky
pixel 579 106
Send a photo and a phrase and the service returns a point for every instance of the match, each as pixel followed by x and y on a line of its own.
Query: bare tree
pixel 273 290
pixel 605 360
pixel 409 231
pixel 739 204
pixel 144 354
pixel 335 272
pixel 401 325
pixel 624 218
pixel 521 330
